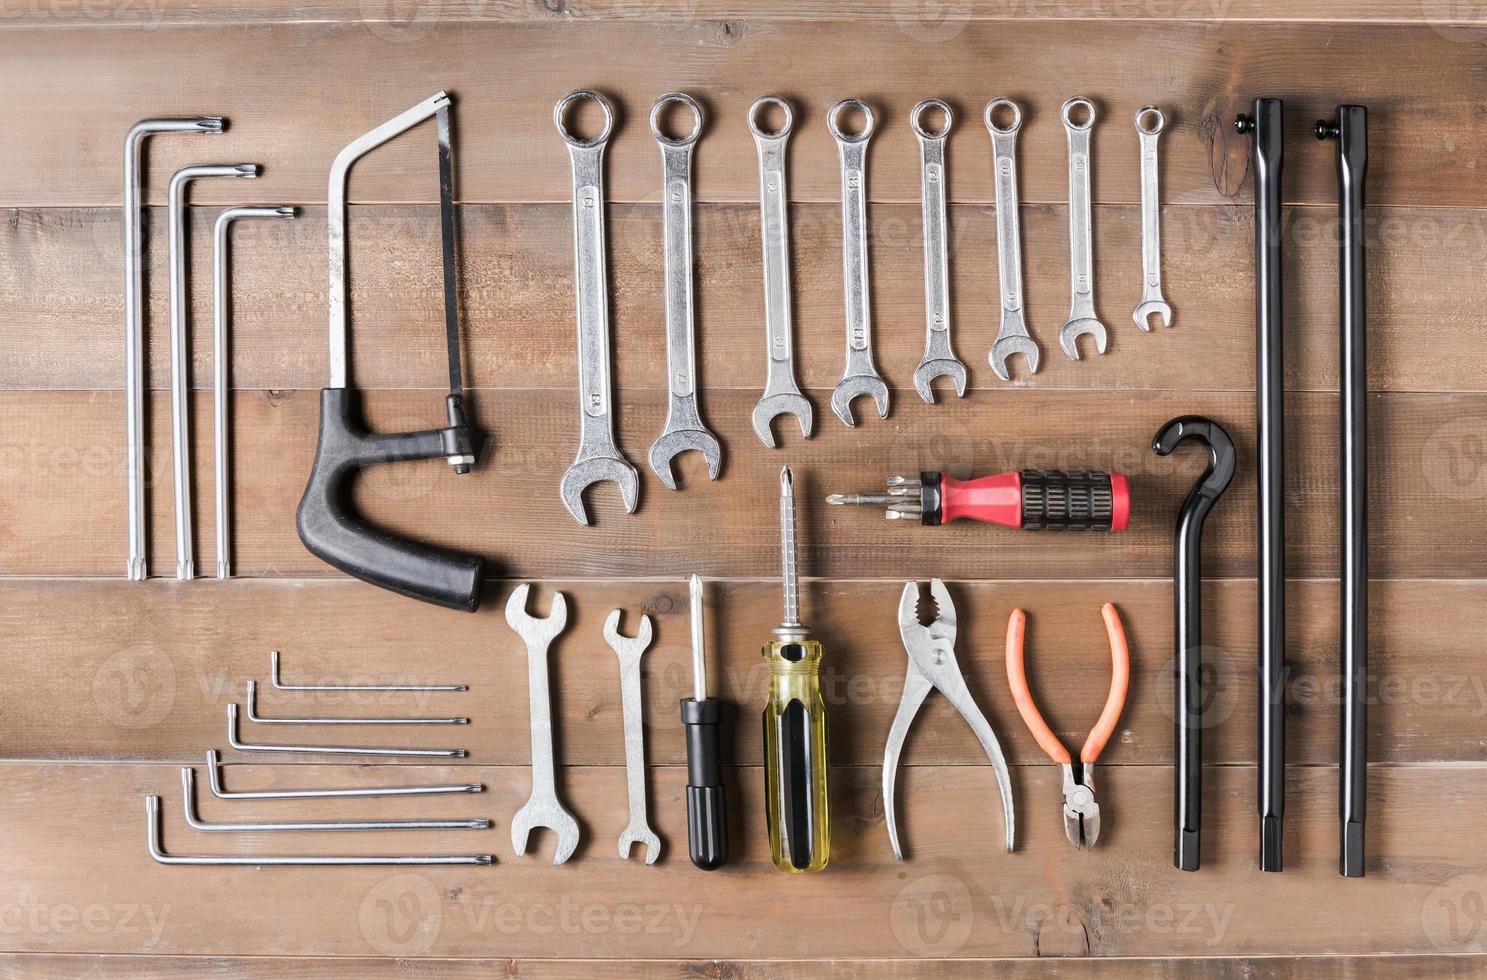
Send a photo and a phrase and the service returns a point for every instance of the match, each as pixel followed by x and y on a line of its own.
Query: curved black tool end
pixel 1221 456
pixel 1185 850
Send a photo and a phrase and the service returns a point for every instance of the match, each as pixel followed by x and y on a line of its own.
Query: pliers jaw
pixel 1081 812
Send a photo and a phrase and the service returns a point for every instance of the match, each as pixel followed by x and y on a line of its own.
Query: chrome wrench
pixel 1149 125
pixel 939 360
pixel 1082 319
pixel 542 808
pixel 630 650
pixel 860 376
pixel 598 458
pixel 781 394
pixel 1012 337
pixel 684 428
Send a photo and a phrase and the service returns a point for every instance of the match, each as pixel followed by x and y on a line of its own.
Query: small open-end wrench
pixel 1012 337
pixel 598 458
pixel 684 427
pixel 860 377
pixel 939 360
pixel 629 650
pixel 781 394
pixel 1149 125
pixel 542 808
pixel 1082 319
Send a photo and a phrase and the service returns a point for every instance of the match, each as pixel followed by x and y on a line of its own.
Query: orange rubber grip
pixel 1017 680
pixel 1120 680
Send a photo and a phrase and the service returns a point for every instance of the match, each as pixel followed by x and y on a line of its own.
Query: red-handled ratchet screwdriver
pixel 1070 500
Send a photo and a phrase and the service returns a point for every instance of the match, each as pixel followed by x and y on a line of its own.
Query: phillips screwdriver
pixel 795 798
pixel 1057 500
pixel 707 823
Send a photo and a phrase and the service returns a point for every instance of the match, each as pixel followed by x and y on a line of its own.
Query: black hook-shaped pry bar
pixel 1187 576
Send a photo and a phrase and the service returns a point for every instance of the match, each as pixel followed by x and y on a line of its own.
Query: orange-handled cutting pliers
pixel 1081 812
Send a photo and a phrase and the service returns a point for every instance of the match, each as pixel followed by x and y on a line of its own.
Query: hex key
pixel 214 778
pixel 255 717
pixel 194 821
pixel 157 851
pixel 232 740
pixel 279 685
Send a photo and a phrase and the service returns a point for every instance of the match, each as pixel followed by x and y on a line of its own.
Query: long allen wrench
pixel 214 779
pixel 251 707
pixel 939 358
pixel 134 321
pixel 1350 129
pixel 194 821
pixel 598 458
pixel 180 353
pixel 1082 318
pixel 1265 127
pixel 860 377
pixel 781 393
pixel 220 295
pixel 1149 125
pixel 630 650
pixel 684 427
pixel 241 746
pixel 1012 337
pixel 281 685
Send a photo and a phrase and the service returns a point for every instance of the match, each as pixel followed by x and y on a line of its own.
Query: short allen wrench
pixel 598 458
pixel 939 360
pixel 632 709
pixel 1082 319
pixel 684 428
pixel 1149 125
pixel 1012 336
pixel 781 394
pixel 861 375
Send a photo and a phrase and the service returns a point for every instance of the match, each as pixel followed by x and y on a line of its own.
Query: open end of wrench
pixel 1147 308
pixel 644 836
pixel 771 407
pixel 945 367
pixel 1068 337
pixel 549 815
pixel 599 469
pixel 1005 347
pixel 528 626
pixel 851 388
pixel 673 444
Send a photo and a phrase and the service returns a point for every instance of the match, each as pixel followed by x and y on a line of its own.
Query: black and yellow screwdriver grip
pixel 795 793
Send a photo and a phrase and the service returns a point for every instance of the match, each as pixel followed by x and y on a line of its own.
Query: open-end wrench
pixel 860 377
pixel 629 650
pixel 598 458
pixel 939 360
pixel 1082 319
pixel 781 394
pixel 1012 337
pixel 1149 125
pixel 684 427
pixel 542 808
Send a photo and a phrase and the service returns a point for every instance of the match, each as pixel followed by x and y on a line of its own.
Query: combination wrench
pixel 630 650
pixel 939 360
pixel 542 808
pixel 1012 337
pixel 781 394
pixel 684 428
pixel 598 458
pixel 1082 319
pixel 1149 125
pixel 860 377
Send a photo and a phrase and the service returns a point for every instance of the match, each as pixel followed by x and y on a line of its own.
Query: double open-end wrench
pixel 1082 319
pixel 781 394
pixel 1149 125
pixel 598 458
pixel 1012 337
pixel 860 377
pixel 542 808
pixel 684 427
pixel 629 650
pixel 939 360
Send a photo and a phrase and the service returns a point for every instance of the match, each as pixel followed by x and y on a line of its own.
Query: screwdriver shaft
pixel 699 660
pixel 787 550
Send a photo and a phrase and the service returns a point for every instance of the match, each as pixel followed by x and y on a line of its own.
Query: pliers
pixel 932 665
pixel 1081 812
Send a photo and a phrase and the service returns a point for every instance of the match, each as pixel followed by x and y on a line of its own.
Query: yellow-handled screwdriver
pixel 795 798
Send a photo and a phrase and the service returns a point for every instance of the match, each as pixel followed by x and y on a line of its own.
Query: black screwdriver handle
pixel 335 534
pixel 707 812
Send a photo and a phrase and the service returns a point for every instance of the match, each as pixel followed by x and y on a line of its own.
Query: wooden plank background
pixel 114 685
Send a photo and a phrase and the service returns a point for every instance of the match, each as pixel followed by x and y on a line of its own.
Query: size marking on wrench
pixel 598 459
pixel 1082 319
pixel 1012 336
pixel 630 650
pixel 781 394
pixel 860 376
pixel 1149 125
pixel 684 428
pixel 542 808
pixel 939 360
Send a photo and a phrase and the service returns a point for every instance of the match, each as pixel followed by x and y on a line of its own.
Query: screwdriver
pixel 1072 500
pixel 795 798
pixel 707 823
